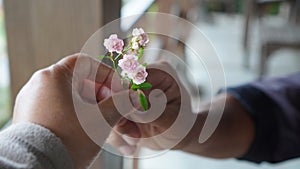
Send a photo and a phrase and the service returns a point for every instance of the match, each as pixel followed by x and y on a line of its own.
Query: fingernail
pixel 130 140
pixel 127 150
pixel 103 93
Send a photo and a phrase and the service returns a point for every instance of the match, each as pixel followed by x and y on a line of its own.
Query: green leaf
pixel 102 57
pixel 141 52
pixel 144 64
pixel 145 86
pixel 143 101
pixel 135 87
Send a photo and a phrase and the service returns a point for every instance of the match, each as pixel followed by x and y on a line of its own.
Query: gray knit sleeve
pixel 31 146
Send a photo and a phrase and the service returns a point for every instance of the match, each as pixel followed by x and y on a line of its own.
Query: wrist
pixel 190 142
pixel 80 147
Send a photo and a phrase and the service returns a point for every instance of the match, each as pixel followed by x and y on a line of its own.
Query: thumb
pixel 127 104
pixel 98 120
pixel 117 106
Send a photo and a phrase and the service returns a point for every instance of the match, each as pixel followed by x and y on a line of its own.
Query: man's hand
pixel 176 127
pixel 47 100
pixel 168 121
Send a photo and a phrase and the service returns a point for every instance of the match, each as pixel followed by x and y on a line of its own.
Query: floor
pixel 225 33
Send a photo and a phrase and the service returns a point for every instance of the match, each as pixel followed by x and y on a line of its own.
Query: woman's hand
pixel 49 99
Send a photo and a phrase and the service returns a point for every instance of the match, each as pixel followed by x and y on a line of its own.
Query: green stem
pixel 117 57
pixel 113 61
pixel 126 49
pixel 115 66
pixel 141 53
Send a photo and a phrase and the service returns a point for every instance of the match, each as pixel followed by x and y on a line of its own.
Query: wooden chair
pixel 281 37
pixel 254 9
pixel 276 38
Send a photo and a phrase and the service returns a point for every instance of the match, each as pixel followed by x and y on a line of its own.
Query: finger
pixel 128 128
pixel 161 75
pixel 127 150
pixel 129 131
pixel 116 107
pixel 98 124
pixel 103 93
pixel 115 139
pixel 89 90
pixel 158 102
pixel 118 142
pixel 86 67
pixel 127 104
pixel 94 92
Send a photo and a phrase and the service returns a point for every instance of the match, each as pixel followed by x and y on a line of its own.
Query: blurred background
pixel 253 39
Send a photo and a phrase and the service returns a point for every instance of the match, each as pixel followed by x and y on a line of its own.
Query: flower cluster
pixel 140 38
pixel 132 69
pixel 128 59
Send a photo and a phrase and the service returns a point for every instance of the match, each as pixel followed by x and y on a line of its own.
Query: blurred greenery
pixel 2 30
pixel 5 111
pixel 4 105
pixel 272 9
pixel 237 6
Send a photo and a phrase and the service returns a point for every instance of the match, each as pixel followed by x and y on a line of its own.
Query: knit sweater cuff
pixel 32 142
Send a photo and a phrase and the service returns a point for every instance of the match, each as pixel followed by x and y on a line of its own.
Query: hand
pixel 47 100
pixel 168 121
pixel 176 127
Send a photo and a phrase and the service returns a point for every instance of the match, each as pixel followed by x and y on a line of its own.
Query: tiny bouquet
pixel 128 59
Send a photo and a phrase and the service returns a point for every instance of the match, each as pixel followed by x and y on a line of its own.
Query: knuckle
pixel 61 71
pixel 165 63
pixel 42 73
pixel 54 72
pixel 167 66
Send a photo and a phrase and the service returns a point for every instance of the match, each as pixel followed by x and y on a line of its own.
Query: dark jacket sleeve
pixel 274 107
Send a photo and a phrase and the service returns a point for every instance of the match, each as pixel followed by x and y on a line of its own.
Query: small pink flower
pixel 114 44
pixel 140 36
pixel 132 52
pixel 135 45
pixel 139 76
pixel 129 63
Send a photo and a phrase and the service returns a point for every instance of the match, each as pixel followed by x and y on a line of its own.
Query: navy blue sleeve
pixel 273 105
